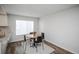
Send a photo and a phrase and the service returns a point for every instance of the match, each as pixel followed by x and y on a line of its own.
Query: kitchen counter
pixel 3 43
pixel 5 38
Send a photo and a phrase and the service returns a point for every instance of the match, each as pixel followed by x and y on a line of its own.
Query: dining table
pixel 33 38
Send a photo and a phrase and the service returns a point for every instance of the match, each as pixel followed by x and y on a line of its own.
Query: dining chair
pixel 43 39
pixel 43 36
pixel 39 41
pixel 25 43
pixel 34 33
pixel 32 39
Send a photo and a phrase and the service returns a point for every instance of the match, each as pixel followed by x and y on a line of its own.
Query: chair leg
pixel 43 45
pixel 25 47
pixel 30 42
pixel 36 47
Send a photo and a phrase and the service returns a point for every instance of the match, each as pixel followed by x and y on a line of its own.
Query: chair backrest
pixel 42 34
pixel 34 33
pixel 39 39
pixel 24 37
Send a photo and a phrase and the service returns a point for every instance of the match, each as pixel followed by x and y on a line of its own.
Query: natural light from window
pixel 24 27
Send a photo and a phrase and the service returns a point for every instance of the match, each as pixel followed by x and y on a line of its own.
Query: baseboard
pixel 58 50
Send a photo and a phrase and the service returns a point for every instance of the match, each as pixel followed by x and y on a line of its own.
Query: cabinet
pixel 3 17
pixel 3 20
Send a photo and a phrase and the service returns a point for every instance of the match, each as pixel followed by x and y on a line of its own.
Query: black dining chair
pixel 40 40
pixel 24 37
pixel 32 39
pixel 43 36
pixel 25 43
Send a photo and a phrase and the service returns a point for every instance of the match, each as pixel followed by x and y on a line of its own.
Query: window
pixel 24 27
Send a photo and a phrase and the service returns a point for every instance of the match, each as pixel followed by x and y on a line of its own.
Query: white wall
pixel 62 29
pixel 12 24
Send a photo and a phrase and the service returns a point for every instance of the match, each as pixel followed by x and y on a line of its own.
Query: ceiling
pixel 35 10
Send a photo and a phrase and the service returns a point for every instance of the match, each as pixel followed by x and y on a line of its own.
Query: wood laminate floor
pixel 24 48
pixel 18 47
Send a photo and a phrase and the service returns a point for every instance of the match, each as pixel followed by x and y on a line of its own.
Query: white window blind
pixel 24 27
